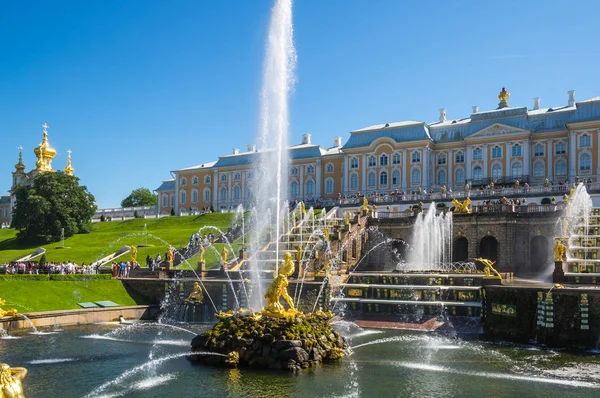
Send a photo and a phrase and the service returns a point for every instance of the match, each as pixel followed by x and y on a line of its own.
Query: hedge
pixel 56 277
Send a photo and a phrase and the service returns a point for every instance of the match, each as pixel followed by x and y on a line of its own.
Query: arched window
pixel 309 187
pixel 194 196
pixel 371 179
pixel 516 170
pixel 441 177
pixel 477 173
pixel 182 196
pixel 223 178
pixel 165 200
pixel 560 148
pixel 415 176
pixel 415 157
pixel 396 159
pixel 195 180
pixel 441 159
pixel 182 181
pixel 237 177
pixel 383 178
pixel 354 163
pixel 354 182
pixel 459 176
pixel 236 192
pixel 560 168
pixel 294 188
pixel 207 179
pixel 459 157
pixel 372 161
pixel 396 177
pixel 538 150
pixel 310 170
pixel 477 154
pixel 223 194
pixel 294 171
pixel 172 200
pixel 585 162
pixel 329 168
pixel 329 186
pixel 206 195
pixel 496 152
pixel 538 170
pixel 585 141
pixel 516 150
pixel 496 172
pixel 383 160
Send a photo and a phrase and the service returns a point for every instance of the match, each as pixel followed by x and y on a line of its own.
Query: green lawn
pixel 107 237
pixel 31 296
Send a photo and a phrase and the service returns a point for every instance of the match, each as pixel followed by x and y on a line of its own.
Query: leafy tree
pixel 172 211
pixel 42 260
pixel 139 197
pixel 52 202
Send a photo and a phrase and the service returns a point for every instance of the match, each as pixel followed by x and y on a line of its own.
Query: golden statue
pixel 546 183
pixel 566 199
pixel 133 250
pixel 8 312
pixel 559 251
pixel 201 256
pixel 169 256
pixel 69 170
pixel 278 289
pixel 503 97
pixel 224 253
pixel 365 205
pixel 302 208
pixel 11 381
pixel 299 253
pixel 196 297
pixel 462 208
pixel 488 269
pixel 326 234
pixel 347 218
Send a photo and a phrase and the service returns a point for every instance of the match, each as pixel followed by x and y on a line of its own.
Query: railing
pixel 483 209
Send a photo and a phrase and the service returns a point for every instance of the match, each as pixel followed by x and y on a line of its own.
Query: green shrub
pixel 546 201
pixel 42 259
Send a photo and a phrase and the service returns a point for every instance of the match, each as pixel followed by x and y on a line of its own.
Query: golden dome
pixel 20 167
pixel 44 153
pixel 69 168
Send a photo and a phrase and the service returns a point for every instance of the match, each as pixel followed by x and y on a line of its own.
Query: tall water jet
pixel 271 168
pixel 431 245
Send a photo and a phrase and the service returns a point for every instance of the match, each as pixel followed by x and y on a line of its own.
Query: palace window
pixel 372 161
pixel 477 154
pixel 441 159
pixel 516 150
pixel 496 152
pixel 395 177
pixel 294 188
pixel 459 157
pixel 538 150
pixel 560 148
pixel 207 180
pixel 396 158
pixel 441 177
pixel 309 187
pixel 182 197
pixel 165 200
pixel 383 178
pixel 459 177
pixel 223 177
pixel 237 177
pixel 194 196
pixel 249 175
pixel 477 173
pixel 329 168
pixel 496 172
pixel 416 158
pixel 195 180
pixel 585 141
pixel 560 167
pixel 294 171
pixel 236 192
pixel 329 186
pixel 223 194
pixel 354 163
pixel 206 195
pixel 354 182
pixel 183 181
pixel 585 162
pixel 538 170
pixel 371 180
pixel 383 160
pixel 415 177
pixel 310 170
pixel 517 170
pixel 172 200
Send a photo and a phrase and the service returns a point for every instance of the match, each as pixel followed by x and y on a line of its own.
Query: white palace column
pixel 598 157
pixel 301 183
pixel 405 168
pixel 484 150
pixel 216 189
pixel 508 153
pixel 426 168
pixel 468 161
pixel 572 155
pixel 549 154
pixel 229 193
pixel 345 175
pixel 450 175
pixel 527 158
pixel 243 193
pixel 364 174
pixel 318 179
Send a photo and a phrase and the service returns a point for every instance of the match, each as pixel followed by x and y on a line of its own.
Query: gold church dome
pixel 44 153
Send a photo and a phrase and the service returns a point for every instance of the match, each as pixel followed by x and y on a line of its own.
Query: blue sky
pixel 138 88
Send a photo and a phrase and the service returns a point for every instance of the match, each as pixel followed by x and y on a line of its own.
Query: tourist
pixel 149 262
pixel 157 261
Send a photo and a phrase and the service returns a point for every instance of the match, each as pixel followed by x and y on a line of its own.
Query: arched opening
pixel 538 253
pixel 399 247
pixel 460 250
pixel 488 248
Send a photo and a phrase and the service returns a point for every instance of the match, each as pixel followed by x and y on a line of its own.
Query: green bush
pixel 546 201
pixel 172 211
pixel 42 259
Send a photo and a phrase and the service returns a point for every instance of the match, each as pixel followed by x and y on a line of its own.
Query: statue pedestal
pixel 364 213
pixel 558 275
pixel 202 269
pixel 491 281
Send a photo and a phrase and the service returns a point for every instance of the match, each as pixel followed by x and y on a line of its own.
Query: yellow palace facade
pixel 500 146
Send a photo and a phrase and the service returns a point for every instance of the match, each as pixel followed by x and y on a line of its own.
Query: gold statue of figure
pixel 488 269
pixel 11 381
pixel 133 250
pixel 326 234
pixel 169 256
pixel 224 253
pixel 462 208
pixel 196 297
pixel 559 251
pixel 278 289
pixel 302 208
pixel 365 205
pixel 8 312
pixel 299 253
pixel 201 256
pixel 347 218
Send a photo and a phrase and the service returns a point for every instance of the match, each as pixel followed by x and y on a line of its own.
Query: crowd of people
pixel 34 268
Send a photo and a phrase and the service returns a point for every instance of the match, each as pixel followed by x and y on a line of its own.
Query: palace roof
pixel 167 185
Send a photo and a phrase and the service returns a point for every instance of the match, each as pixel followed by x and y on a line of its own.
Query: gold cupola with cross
pixel 44 153
pixel 69 168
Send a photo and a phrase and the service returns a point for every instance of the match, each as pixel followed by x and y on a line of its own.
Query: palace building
pixel 44 154
pixel 500 146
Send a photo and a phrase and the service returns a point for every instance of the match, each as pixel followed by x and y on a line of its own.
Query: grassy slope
pixel 110 236
pixel 55 295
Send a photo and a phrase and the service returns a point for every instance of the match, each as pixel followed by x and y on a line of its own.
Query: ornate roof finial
pixel 20 166
pixel 44 152
pixel 69 169
pixel 503 97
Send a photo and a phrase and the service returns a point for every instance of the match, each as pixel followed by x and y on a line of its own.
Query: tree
pixel 52 202
pixel 139 197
